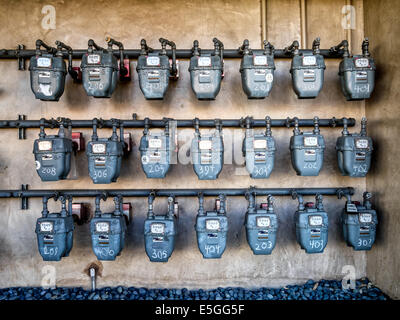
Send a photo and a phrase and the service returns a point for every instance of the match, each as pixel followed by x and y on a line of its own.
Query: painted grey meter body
pixel 257 71
pixel 53 155
pixel 160 232
pixel 259 151
pixel 307 150
pixel 354 152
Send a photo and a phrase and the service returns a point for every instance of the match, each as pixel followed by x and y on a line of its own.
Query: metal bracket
pixel 21 60
pixel 24 200
pixel 21 130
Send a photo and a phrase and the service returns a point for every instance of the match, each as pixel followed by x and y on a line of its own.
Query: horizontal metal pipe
pixel 175 192
pixel 180 54
pixel 209 123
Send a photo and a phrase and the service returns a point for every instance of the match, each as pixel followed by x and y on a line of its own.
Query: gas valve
pixel 206 71
pixel 211 229
pixel 307 150
pixel 100 69
pixel 154 69
pixel 155 151
pixel 359 223
pixel 354 151
pixel 261 225
pixel 207 152
pixel 257 70
pixel 307 70
pixel 105 155
pixel 53 153
pixel 55 231
pixel 47 71
pixel 108 231
pixel 311 225
pixel 357 73
pixel 160 231
pixel 259 151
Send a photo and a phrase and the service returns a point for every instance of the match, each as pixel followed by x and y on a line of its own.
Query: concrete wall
pixel 181 21
pixel 381 26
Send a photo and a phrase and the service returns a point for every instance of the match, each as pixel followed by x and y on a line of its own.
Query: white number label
pixel 153 61
pixel 155 143
pixel 264 245
pixel 260 144
pixel 46 226
pixel 310 141
pixel 362 144
pixel 362 63
pixel 45 145
pixel 44 62
pixel 212 224
pixel 159 254
pixel 263 222
pixel 205 144
pixel 316 244
pixel 315 220
pixel 309 61
pixel 260 60
pixel 93 59
pixel 365 218
pixel 102 227
pixel 364 242
pixel 99 148
pixel 204 62
pixel 157 228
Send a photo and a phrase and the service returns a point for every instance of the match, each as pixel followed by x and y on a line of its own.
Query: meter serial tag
pixel 361 63
pixel 351 207
pixel 99 148
pixel 43 62
pixel 362 144
pixel 102 227
pixel 263 222
pixel 155 143
pixel 46 226
pixel 365 218
pixel 45 145
pixel 310 141
pixel 93 59
pixel 205 145
pixel 212 224
pixel 309 61
pixel 315 220
pixel 204 62
pixel 260 60
pixel 157 228
pixel 260 144
pixel 153 61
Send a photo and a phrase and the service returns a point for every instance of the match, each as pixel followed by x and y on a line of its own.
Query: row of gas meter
pixel 100 69
pixel 53 152
pixel 108 230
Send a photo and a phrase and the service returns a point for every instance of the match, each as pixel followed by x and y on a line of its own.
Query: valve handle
pixel 316 125
pixel 245 48
pixel 40 43
pixel 316 45
pixel 268 131
pixel 196 51
pixel 296 130
pixel 365 47
pixel 363 131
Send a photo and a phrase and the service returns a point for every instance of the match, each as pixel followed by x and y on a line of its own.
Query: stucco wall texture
pixel 381 24
pixel 180 21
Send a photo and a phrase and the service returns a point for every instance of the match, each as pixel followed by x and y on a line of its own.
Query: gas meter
pixel 206 71
pixel 257 70
pixel 261 225
pixel 357 73
pixel 154 69
pixel 211 229
pixel 55 231
pixel 307 70
pixel 155 151
pixel 160 231
pixel 47 71
pixel 53 153
pixel 108 231
pixel 207 152
pixel 259 151
pixel 100 69
pixel 311 225
pixel 354 151
pixel 307 150
pixel 105 155
pixel 359 223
